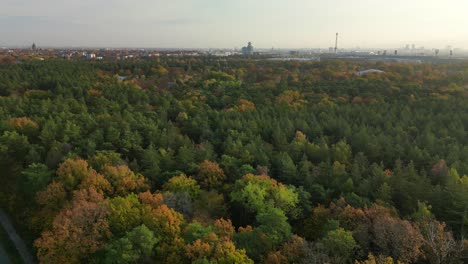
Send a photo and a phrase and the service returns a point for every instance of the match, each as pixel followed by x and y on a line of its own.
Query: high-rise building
pixel 248 50
pixel 34 47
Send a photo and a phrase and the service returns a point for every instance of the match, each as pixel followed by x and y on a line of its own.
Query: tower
pixel 336 43
pixel 248 50
pixel 34 48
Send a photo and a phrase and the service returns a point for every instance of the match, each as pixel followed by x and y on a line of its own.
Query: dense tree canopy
pixel 235 160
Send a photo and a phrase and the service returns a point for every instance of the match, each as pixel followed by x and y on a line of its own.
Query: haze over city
pixel 229 24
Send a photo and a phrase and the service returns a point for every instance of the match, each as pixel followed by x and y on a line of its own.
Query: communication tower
pixel 336 43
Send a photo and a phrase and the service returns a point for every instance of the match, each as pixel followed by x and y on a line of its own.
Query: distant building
pixel 90 56
pixel 34 47
pixel 294 53
pixel 248 50
pixel 67 55
pixel 221 53
pixel 362 73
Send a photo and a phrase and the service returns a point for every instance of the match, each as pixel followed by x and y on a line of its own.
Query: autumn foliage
pixel 201 159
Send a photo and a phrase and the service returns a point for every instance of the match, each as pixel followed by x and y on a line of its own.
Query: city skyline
pixel 215 24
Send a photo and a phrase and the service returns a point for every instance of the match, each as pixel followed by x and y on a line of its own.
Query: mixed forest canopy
pixel 236 160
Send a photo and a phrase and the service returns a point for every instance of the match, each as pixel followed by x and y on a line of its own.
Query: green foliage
pixel 35 177
pixel 125 213
pixel 456 193
pixel 423 213
pixel 134 247
pixel 340 245
pixel 258 193
pixel 285 167
pixel 13 147
pixel 104 158
pixel 182 183
pixel 274 224
pixel 195 231
pixel 211 203
pixel 340 145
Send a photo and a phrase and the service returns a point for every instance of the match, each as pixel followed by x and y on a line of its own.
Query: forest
pixel 236 160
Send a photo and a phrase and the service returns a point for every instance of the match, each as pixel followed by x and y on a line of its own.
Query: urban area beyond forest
pixel 217 157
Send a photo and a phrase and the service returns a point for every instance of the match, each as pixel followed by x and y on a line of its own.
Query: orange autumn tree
pixel 124 181
pixel 210 175
pixel 51 201
pixel 99 182
pixel 166 223
pixel 72 171
pixel 153 200
pixel 291 98
pixel 113 181
pixel 24 125
pixel 243 105
pixel 217 246
pixel 77 231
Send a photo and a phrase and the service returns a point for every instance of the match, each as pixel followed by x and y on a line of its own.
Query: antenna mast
pixel 336 43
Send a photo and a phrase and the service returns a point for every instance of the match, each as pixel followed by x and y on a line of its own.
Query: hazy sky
pixel 231 23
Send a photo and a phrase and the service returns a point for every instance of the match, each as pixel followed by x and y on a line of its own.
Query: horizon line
pixel 3 46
